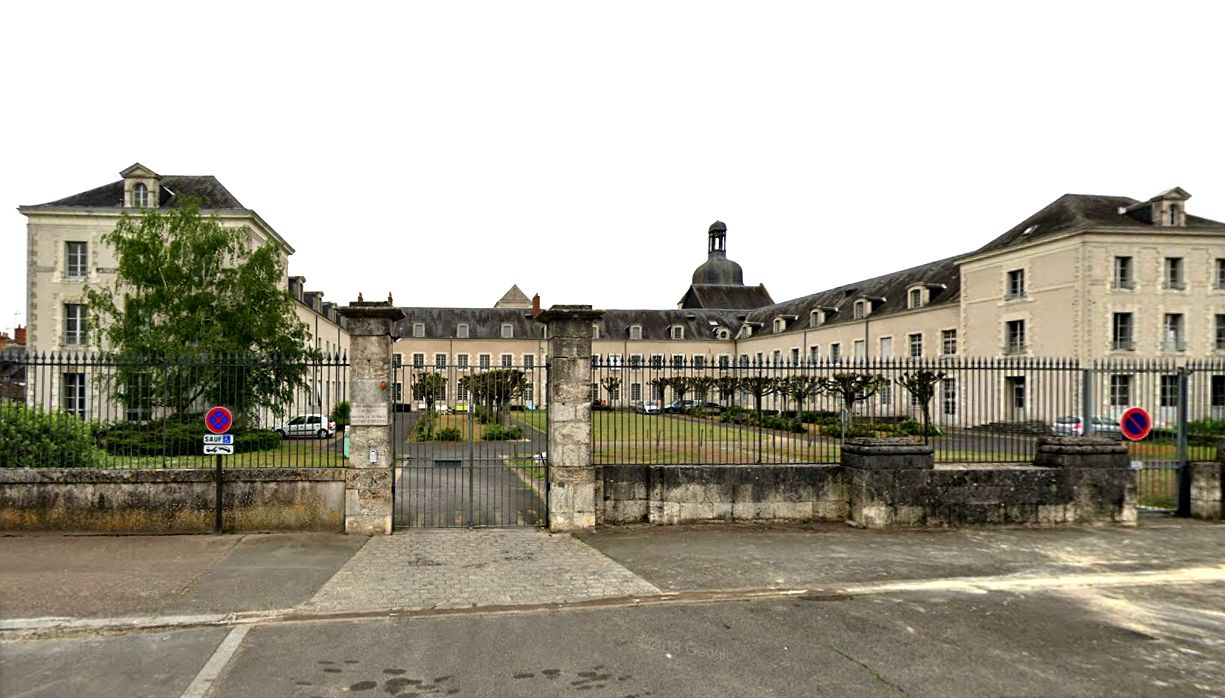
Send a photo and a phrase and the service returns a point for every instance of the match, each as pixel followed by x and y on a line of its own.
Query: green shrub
pixel 33 438
pixel 340 414
pixel 424 431
pixel 178 437
pixel 497 432
pixel 823 417
pixel 481 414
pixel 449 434
pixel 910 427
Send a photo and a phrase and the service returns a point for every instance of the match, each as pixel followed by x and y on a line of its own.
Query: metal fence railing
pixel 975 410
pixel 93 410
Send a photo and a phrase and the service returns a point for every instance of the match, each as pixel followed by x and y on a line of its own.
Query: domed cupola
pixel 718 270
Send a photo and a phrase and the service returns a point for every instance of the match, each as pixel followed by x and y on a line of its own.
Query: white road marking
pixel 204 680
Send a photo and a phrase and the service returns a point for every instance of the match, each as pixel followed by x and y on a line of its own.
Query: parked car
pixel 647 407
pixel 319 425
pixel 681 405
pixel 1103 427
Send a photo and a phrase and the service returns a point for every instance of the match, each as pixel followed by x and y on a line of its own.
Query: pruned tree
pixel 759 387
pixel 800 389
pixel 680 385
pixel 702 386
pixel 187 286
pixel 850 388
pixel 611 385
pixel 429 387
pixel 495 389
pixel 728 385
pixel 921 385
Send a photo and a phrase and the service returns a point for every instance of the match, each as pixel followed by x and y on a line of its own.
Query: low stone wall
pixel 171 501
pixel 883 484
pixel 674 494
pixel 1208 491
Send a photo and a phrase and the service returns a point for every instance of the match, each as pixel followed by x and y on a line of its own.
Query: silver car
pixel 647 407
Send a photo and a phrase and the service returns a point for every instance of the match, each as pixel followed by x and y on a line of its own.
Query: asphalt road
pixel 946 642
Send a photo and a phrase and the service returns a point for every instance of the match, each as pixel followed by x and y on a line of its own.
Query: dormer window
pixel 418 329
pixel 779 324
pixel 508 331
pixel 915 298
pixel 461 330
pixel 746 331
pixel 636 332
pixel 140 195
pixel 859 311
pixel 677 332
pixel 595 331
pixel 814 318
pixel 723 333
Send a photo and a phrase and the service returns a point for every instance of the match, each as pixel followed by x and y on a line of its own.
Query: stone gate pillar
pixel 571 475
pixel 368 479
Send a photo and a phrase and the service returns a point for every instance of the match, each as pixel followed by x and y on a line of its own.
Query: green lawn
pixel 292 453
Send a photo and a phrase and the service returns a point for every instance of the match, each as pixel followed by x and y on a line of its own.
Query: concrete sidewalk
pixel 52 582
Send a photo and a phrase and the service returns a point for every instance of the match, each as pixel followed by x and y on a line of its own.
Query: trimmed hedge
pixel 497 432
pixel 182 437
pixel 34 438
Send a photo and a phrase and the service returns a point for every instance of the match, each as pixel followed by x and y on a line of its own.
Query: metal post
pixel 217 525
pixel 1086 402
pixel 1184 470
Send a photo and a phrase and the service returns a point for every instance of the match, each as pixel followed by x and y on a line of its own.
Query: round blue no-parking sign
pixel 1136 424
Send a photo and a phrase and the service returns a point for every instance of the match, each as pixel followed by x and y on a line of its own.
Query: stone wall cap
pixel 899 445
pixel 377 310
pixel 1079 444
pixel 569 312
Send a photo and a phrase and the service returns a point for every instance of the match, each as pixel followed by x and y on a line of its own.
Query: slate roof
pixel 656 324
pixel 726 297
pixel 891 287
pixel 1079 211
pixel 211 191
pixel 483 323
pixel 514 298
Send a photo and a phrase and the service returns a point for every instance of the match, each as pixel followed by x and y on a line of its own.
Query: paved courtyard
pixel 465 568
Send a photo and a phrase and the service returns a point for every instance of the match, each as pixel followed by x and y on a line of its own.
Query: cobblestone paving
pixel 463 568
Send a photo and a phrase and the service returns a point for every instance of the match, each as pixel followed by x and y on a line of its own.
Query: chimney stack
pixel 535 306
pixel 19 336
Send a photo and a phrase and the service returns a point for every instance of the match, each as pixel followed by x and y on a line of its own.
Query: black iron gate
pixel 470 444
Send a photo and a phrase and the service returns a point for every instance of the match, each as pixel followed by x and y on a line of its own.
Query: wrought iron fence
pixel 97 410
pixel 971 410
pixel 471 444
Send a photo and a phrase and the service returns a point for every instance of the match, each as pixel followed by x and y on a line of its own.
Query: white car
pixel 305 425
pixel 648 407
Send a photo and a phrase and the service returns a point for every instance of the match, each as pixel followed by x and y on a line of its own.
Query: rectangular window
pixel 814 353
pixel 744 359
pixel 916 345
pixel 635 392
pixel 76 261
pixel 483 360
pixel 1219 335
pixel 1122 332
pixel 72 393
pixel 948 398
pixel 835 352
pixel 636 332
pixel 760 359
pixel 861 349
pixel 508 331
pixel 948 342
pixel 886 348
pixel 508 360
pixel 614 362
pixel 440 360
pixel 418 360
pixel 1014 337
pixel 635 360
pixel 678 361
pixel 1218 391
pixel 778 358
pixel 916 298
pixel 418 329
pixel 657 361
pixel 461 331
pixel 724 362
pixel 678 332
pixel 1120 390
pixel 397 360
pixel 1124 273
pixel 595 331
pixel 657 391
pixel 699 361
pixel 529 362
pixel 74 325
pixel 461 360
pixel 1175 338
pixel 1016 390
pixel 138 398
pixel 795 356
pixel 886 394
pixel 1169 391
pixel 595 392
pixel 595 360
pixel 1016 284
pixel 857 311
pixel 1220 273
pixel 397 392
pixel 1174 277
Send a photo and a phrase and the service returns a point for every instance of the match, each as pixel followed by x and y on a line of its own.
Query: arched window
pixel 140 195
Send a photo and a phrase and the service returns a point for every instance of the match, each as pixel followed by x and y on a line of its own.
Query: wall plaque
pixel 368 416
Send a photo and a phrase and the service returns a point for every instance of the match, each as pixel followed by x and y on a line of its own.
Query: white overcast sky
pixel 445 151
